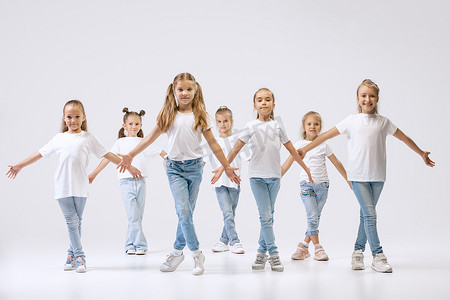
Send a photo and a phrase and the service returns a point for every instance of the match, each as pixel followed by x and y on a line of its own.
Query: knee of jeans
pixel 228 215
pixel 266 219
pixel 184 215
pixel 73 223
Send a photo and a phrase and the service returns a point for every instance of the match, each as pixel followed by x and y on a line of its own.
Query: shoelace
pixel 260 259
pixel 275 261
pixel 196 262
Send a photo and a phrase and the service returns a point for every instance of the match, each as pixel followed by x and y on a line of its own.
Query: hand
pixel 427 160
pixel 217 173
pixel 350 185
pixel 137 175
pixel 13 171
pixel 233 177
pixel 309 175
pixel 301 152
pixel 125 163
pixel 91 177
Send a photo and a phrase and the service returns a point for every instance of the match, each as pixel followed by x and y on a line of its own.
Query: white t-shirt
pixel 265 139
pixel 184 141
pixel 125 145
pixel 366 144
pixel 227 144
pixel 71 177
pixel 315 160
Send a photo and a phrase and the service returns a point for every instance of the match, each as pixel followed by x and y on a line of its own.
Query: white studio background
pixel 311 54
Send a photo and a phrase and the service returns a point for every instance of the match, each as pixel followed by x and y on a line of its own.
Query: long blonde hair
pixel 170 108
pixel 371 84
pixel 310 113
pixel 272 116
pixel 64 127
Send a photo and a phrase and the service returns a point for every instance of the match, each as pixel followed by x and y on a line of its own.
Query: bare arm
pixel 15 169
pixel 146 141
pixel 116 160
pixel 215 148
pixel 97 170
pixel 410 143
pixel 163 154
pixel 287 165
pixel 319 140
pixel 298 159
pixel 337 163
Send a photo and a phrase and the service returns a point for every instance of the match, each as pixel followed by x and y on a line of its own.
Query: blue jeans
pixel 133 196
pixel 228 200
pixel 314 197
pixel 184 181
pixel 368 194
pixel 265 191
pixel 72 209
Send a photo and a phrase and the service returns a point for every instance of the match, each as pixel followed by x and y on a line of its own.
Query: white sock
pixel 177 252
pixel 196 252
pixel 305 244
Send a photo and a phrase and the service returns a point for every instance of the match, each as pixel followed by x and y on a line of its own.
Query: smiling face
pixel 367 99
pixel 132 125
pixel 184 92
pixel 224 124
pixel 73 118
pixel 312 127
pixel 264 104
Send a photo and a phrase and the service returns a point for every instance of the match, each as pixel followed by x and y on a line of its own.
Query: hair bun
pixel 125 110
pixel 142 112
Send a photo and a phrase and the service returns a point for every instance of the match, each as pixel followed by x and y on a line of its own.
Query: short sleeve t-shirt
pixel 73 149
pixel 366 144
pixel 265 139
pixel 184 141
pixel 315 160
pixel 125 145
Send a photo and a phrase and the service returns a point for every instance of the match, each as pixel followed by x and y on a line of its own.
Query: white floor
pixel 114 275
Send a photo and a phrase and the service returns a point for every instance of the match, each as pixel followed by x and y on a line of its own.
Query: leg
pixel 72 209
pixel 226 197
pixel 141 188
pixel 128 192
pixel 309 200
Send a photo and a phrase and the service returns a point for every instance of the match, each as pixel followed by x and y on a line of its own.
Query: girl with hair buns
pixel 366 143
pixel 133 191
pixel 184 119
pixel 73 145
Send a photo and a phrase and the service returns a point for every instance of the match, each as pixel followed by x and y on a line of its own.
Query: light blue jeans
pixel 72 209
pixel 314 197
pixel 133 196
pixel 228 200
pixel 368 194
pixel 265 191
pixel 184 181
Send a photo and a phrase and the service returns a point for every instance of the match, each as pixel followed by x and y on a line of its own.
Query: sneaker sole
pixel 277 270
pixel 172 269
pixel 321 259
pixel 358 268
pixel 382 271
pixel 238 252
pixel 215 250
pixel 258 268
pixel 298 258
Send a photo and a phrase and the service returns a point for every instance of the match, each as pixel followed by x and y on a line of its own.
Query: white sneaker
pixel 70 264
pixel 171 263
pixel 80 265
pixel 260 261
pixel 275 263
pixel 357 260
pixel 380 263
pixel 237 249
pixel 220 247
pixel 131 252
pixel 199 260
pixel 141 252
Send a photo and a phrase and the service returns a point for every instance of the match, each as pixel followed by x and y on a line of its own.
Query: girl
pixel 314 195
pixel 73 146
pixel 227 191
pixel 133 192
pixel 184 119
pixel 266 136
pixel 366 140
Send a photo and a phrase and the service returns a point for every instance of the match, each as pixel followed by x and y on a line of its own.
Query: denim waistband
pixel 189 161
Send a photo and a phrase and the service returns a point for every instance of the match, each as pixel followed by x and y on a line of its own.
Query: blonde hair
pixel 125 117
pixel 169 111
pixel 224 110
pixel 272 116
pixel 64 127
pixel 310 113
pixel 369 83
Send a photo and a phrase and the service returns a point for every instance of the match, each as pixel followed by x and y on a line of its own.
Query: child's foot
pixel 141 252
pixel 357 260
pixel 320 254
pixel 380 263
pixel 237 249
pixel 260 262
pixel 275 263
pixel 171 263
pixel 301 253
pixel 131 252
pixel 70 263
pixel 80 265
pixel 220 247
pixel 199 260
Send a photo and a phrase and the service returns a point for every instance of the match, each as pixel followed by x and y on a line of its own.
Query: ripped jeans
pixel 314 197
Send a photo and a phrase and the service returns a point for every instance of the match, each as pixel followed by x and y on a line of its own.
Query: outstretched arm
pixel 337 163
pixel 410 143
pixel 116 160
pixel 318 140
pixel 287 165
pixel 163 154
pixel 15 169
pixel 146 141
pixel 298 159
pixel 215 148
pixel 99 168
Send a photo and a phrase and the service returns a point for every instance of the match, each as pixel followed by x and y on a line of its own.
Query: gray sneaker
pixel 380 263
pixel 275 263
pixel 171 263
pixel 199 260
pixel 260 262
pixel 357 260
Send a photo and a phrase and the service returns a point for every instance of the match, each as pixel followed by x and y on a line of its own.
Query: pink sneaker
pixel 301 253
pixel 320 254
